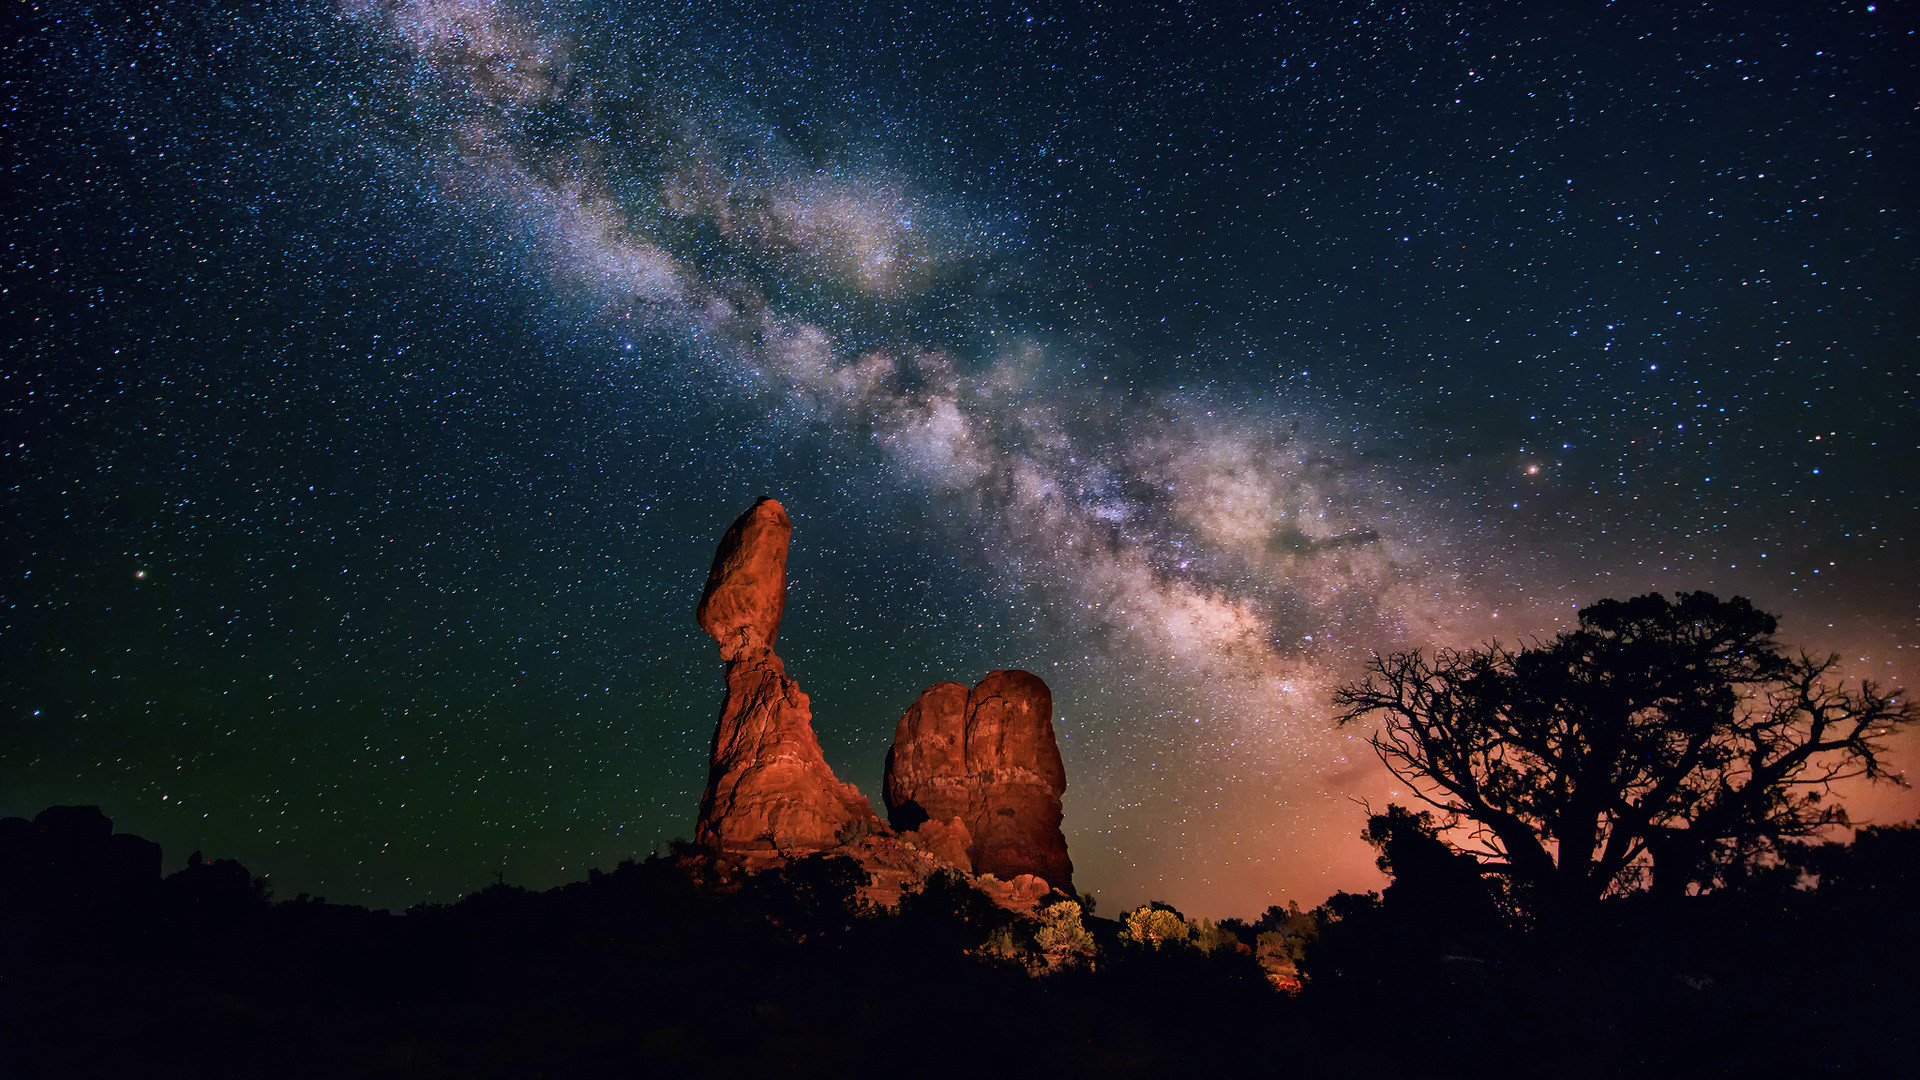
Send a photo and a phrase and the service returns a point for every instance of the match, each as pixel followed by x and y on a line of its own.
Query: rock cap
pixel 746 591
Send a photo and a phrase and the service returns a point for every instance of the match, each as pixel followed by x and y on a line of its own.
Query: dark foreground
pixel 675 967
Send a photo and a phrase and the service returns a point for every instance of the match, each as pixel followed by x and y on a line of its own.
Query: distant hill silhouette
pixel 687 965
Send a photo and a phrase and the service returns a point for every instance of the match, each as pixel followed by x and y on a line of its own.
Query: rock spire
pixel 769 791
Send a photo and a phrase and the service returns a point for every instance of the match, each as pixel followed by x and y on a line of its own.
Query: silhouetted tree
pixel 1443 885
pixel 1654 746
pixel 1882 862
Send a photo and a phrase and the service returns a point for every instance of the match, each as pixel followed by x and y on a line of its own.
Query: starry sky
pixel 377 376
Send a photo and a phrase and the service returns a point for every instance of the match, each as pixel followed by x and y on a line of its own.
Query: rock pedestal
pixel 769 791
pixel 981 768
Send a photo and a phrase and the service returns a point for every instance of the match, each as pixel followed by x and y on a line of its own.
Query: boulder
pixel 949 841
pixel 986 759
pixel 769 791
pixel 746 591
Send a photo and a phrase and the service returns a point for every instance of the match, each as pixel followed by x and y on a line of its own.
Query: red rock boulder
pixel 985 759
pixel 746 591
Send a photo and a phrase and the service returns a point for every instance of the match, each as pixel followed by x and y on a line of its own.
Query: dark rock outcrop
pixel 769 790
pixel 72 852
pixel 982 766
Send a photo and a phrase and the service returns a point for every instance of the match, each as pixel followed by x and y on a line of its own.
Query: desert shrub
pixel 1209 938
pixel 1292 927
pixel 1155 926
pixel 855 831
pixel 1005 943
pixel 1062 938
pixel 808 897
pixel 945 911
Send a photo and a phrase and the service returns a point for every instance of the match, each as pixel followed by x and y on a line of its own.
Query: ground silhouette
pixel 684 965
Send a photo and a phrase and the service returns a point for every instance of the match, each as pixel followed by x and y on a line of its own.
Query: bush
pixel 1062 938
pixel 1154 926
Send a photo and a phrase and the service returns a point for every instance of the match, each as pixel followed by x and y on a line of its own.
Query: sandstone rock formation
pixel 975 776
pixel 769 790
pixel 982 766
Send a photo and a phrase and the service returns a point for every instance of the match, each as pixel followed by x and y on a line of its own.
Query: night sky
pixel 377 378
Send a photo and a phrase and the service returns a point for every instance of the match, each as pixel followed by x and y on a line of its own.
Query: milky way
pixel 1183 368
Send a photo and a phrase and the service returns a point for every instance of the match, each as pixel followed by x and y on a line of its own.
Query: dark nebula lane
pixel 378 377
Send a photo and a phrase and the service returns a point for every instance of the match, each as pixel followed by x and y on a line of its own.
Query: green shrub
pixel 1062 938
pixel 1155 926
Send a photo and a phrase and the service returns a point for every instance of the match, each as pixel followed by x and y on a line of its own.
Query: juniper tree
pixel 1655 746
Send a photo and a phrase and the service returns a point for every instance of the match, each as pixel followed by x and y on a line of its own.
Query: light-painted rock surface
pixel 769 790
pixel 984 760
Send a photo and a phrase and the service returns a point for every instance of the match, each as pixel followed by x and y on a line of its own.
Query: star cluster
pixel 384 373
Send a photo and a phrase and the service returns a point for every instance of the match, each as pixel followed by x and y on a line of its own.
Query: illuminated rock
pixel 949 841
pixel 769 791
pixel 986 760
pixel 974 775
pixel 746 591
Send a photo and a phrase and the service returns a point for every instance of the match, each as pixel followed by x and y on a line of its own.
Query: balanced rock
pixel 746 591
pixel 769 791
pixel 986 761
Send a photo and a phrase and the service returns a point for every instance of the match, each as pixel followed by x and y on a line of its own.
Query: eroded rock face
pixel 975 775
pixel 986 760
pixel 769 790
pixel 746 591
pixel 949 841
